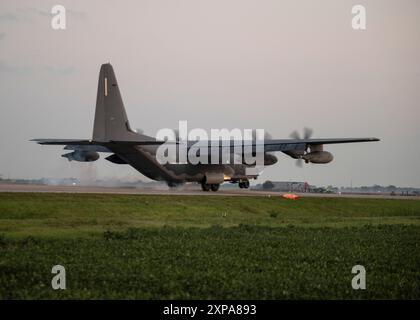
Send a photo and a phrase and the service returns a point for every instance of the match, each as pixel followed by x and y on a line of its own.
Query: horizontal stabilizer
pixel 114 158
pixel 59 142
pixel 70 142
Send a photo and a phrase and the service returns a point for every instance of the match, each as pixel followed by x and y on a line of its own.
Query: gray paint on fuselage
pixel 143 159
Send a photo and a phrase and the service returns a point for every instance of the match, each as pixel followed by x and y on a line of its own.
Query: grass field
pixel 213 247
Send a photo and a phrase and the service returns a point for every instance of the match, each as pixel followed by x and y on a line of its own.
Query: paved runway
pixel 177 191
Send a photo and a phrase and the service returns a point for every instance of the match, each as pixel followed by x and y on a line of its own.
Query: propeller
pixel 267 135
pixel 176 131
pixel 178 138
pixel 307 134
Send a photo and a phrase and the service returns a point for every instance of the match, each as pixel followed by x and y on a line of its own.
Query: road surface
pixel 179 191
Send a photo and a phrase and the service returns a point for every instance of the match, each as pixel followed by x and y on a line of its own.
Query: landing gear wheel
pixel 205 186
pixel 244 184
pixel 215 187
pixel 172 184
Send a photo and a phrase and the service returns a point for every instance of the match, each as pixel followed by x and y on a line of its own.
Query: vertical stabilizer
pixel 111 123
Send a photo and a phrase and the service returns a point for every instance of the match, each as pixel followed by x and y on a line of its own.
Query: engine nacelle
pixel 269 159
pixel 82 156
pixel 318 157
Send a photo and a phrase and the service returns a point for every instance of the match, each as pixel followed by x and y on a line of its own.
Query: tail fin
pixel 111 123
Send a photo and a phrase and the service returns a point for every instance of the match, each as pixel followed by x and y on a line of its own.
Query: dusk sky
pixel 276 65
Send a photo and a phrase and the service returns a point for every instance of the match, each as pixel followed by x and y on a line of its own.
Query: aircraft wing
pixel 89 145
pixel 300 144
pixel 272 145
pixel 269 145
pixel 75 142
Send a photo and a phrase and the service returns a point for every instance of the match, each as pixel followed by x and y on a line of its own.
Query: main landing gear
pixel 208 186
pixel 244 184
pixel 172 184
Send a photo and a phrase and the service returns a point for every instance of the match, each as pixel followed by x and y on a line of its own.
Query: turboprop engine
pixel 82 156
pixel 269 159
pixel 316 154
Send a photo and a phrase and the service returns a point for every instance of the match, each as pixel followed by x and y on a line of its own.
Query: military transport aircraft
pixel 112 134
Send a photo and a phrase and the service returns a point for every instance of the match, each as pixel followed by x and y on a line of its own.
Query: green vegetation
pixel 65 215
pixel 152 247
